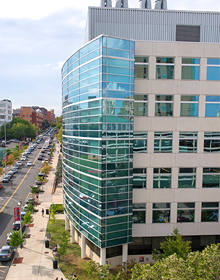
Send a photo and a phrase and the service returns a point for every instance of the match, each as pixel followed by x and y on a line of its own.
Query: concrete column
pixel 124 253
pixel 103 256
pixel 66 222
pixel 83 246
pixel 72 233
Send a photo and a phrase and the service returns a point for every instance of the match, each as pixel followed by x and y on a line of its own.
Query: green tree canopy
pixel 174 244
pixel 59 122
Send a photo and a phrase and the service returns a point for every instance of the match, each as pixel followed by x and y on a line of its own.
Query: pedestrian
pixel 11 185
pixel 56 278
pixel 42 212
pixel 37 198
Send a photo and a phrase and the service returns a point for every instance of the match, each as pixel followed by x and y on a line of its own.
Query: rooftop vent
pixel 160 5
pixel 106 3
pixel 121 4
pixel 145 4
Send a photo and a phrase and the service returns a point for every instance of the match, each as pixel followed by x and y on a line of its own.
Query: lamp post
pixel 5 144
pixel 19 204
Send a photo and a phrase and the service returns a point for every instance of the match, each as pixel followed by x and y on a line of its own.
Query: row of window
pixel 187 142
pixel 185 212
pixel 189 105
pixel 186 178
pixel 165 68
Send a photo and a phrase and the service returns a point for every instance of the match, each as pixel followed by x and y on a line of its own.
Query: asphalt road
pixel 22 180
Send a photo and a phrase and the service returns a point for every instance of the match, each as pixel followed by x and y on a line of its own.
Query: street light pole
pixel 5 143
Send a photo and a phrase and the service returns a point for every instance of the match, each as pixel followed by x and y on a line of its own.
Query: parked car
pixel 16 166
pixel 17 225
pixel 0 186
pixel 38 183
pixel 6 179
pixel 29 200
pixel 29 163
pixel 29 152
pixel 19 163
pixel 14 170
pixel 41 175
pixel 23 158
pixel 39 147
pixel 40 157
pixel 8 238
pixel 10 173
pixel 6 253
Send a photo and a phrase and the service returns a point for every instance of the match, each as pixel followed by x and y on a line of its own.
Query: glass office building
pixel 141 132
pixel 98 92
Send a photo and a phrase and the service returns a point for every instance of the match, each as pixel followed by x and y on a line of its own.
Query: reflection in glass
pixel 161 212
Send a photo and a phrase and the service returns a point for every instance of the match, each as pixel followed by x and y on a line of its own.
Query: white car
pixel 19 163
pixel 23 158
pixel 29 163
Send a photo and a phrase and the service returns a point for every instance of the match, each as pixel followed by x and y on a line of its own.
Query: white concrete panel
pixel 142 86
pixel 189 124
pixel 211 124
pixel 189 160
pixel 186 195
pixel 195 50
pixel 164 86
pixel 164 123
pixel 141 160
pixel 165 49
pixel 188 87
pixel 209 195
pixel 210 160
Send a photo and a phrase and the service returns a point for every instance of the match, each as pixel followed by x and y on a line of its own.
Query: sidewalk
pixel 37 260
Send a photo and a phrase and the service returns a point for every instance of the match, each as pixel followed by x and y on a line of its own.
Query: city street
pixel 21 190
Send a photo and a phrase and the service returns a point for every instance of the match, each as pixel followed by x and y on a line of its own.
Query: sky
pixel 36 37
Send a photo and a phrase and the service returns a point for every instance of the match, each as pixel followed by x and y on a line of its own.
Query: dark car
pixel 41 175
pixel 29 152
pixel 6 253
pixel 31 200
pixel 38 183
pixel 40 157
pixel 17 225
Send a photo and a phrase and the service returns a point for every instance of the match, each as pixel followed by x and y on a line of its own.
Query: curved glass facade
pixel 98 92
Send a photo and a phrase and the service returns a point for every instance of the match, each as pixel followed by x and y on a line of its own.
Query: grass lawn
pixel 72 262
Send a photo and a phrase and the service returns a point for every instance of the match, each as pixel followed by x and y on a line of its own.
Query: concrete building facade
pixel 141 132
pixel 5 111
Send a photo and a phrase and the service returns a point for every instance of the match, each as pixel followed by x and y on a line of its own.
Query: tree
pixel 101 270
pixel 59 169
pixel 63 244
pixel 45 169
pixel 28 219
pixel 59 135
pixel 34 189
pixel 30 207
pixel 16 239
pixel 198 265
pixel 174 244
pixel 45 124
pixel 59 122
pixel 1 170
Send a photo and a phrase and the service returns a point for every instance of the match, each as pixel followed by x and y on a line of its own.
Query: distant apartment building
pixel 31 115
pixel 35 114
pixel 51 116
pixel 5 111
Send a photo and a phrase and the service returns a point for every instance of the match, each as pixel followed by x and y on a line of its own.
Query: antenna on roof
pixel 160 5
pixel 121 4
pixel 105 3
pixel 145 4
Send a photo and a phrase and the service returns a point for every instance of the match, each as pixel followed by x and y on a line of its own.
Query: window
pixel 164 105
pixel 141 68
pixel 187 178
pixel 140 107
pixel 139 213
pixel 163 142
pixel 140 142
pixel 188 33
pixel 209 212
pixel 188 142
pixel 213 69
pixel 162 178
pixel 165 68
pixel 189 106
pixel 139 178
pixel 211 177
pixel 190 68
pixel 185 212
pixel 161 212
pixel 212 106
pixel 212 142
